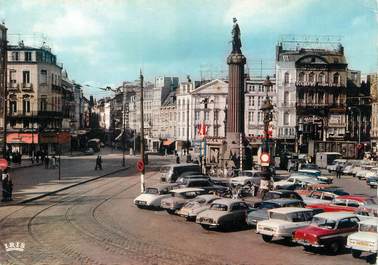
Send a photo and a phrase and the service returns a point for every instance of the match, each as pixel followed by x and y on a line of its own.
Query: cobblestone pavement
pixel 96 223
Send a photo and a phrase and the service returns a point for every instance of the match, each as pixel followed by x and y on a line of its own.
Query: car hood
pixel 215 215
pixel 260 214
pixel 314 231
pixel 309 200
pixel 174 200
pixel 146 197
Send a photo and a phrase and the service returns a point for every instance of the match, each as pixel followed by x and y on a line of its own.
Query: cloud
pixel 265 13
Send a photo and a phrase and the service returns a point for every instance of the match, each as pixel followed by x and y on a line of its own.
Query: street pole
pixel 5 60
pixel 124 126
pixel 241 152
pixel 60 150
pixel 142 133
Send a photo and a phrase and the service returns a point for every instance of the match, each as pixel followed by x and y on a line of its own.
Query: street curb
pixel 67 187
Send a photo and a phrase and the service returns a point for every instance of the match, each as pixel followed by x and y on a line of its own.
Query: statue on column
pixel 236 43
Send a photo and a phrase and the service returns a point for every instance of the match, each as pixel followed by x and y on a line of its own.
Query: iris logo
pixel 14 246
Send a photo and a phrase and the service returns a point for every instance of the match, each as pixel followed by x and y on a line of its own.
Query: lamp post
pixel 142 133
pixel 267 109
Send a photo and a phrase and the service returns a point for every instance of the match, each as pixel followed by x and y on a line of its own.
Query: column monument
pixel 235 110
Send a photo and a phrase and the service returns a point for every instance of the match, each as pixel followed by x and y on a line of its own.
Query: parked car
pixel 337 162
pixel 224 213
pixel 89 151
pixel 348 170
pixel 323 196
pixel 372 181
pixel 309 166
pixel 260 209
pixel 328 231
pixel 365 173
pixel 192 208
pixel 178 198
pixel 308 189
pixel 184 179
pixel 316 174
pixel 249 173
pixel 152 196
pixel 202 183
pixel 281 194
pixel 367 211
pixel 170 173
pixel 346 203
pixel 294 179
pixel 365 240
pixel 283 222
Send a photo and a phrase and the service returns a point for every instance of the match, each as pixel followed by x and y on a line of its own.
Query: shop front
pixel 22 142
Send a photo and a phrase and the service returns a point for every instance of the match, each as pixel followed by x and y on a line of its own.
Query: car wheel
pixel 371 258
pixel 356 253
pixel 190 218
pixel 334 247
pixel 329 171
pixel 267 238
pixel 170 211
pixel 307 248
pixel 206 227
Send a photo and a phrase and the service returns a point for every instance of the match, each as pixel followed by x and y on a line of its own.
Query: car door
pixel 347 226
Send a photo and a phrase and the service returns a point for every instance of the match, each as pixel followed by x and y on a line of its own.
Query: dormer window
pixel 311 77
pixel 336 78
pixel 301 77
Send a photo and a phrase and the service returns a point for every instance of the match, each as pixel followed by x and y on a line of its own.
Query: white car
pixel 283 222
pixel 293 179
pixel 178 198
pixel 366 239
pixel 363 174
pixel 348 170
pixel 192 208
pixel 242 181
pixel 356 169
pixel 152 196
pixel 318 196
pixel 335 164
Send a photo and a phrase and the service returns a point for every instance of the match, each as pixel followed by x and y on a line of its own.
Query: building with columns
pixel 311 85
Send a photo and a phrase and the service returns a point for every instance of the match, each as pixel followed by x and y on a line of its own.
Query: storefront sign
pixel 22 138
pixel 55 138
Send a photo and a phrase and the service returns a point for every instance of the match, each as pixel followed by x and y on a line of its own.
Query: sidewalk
pixel 30 183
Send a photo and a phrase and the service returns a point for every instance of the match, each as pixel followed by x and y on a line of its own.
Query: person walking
pixel 338 171
pixel 47 162
pixel 98 162
pixel 177 159
pixel 7 186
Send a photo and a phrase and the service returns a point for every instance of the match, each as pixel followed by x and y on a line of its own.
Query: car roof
pixel 282 200
pixel 227 201
pixel 197 179
pixel 359 198
pixel 369 221
pixel 162 186
pixel 308 170
pixel 207 196
pixel 282 191
pixel 335 215
pixel 183 190
pixel 241 177
pixel 369 206
pixel 286 210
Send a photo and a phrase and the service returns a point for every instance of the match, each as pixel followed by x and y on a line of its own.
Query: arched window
pixel 321 79
pixel 26 104
pixel 311 77
pixel 286 78
pixel 13 103
pixel 301 77
pixel 336 78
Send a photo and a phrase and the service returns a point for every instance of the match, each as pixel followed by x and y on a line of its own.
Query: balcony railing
pixel 13 86
pixel 318 105
pixel 22 114
pixel 27 86
pixel 313 84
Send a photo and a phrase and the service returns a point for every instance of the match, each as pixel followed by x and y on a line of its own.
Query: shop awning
pixel 22 138
pixel 168 142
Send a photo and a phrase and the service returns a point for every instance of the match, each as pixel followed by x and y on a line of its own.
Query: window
pixel 13 106
pixel 206 115
pixel 12 73
pixel 311 77
pixel 28 56
pixel 26 104
pixel 249 101
pixel 197 115
pixel 216 114
pixel 286 97
pixel 43 104
pixel 336 78
pixel 286 118
pixel 321 78
pixel 301 77
pixel 259 116
pixel 249 117
pixel 346 223
pixel 14 56
pixel 252 101
pixel 26 77
pixel 216 133
pixel 43 76
pixel 286 78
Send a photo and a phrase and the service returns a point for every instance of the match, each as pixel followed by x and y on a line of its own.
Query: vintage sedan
pixel 178 198
pixel 328 231
pixel 152 196
pixel 223 214
pixel 197 205
pixel 319 196
pixel 365 240
pixel 279 194
pixel 260 211
pixel 346 203
pixel 283 222
pixel 293 179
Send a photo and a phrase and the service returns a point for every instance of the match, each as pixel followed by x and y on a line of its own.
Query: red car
pixel 345 203
pixel 328 231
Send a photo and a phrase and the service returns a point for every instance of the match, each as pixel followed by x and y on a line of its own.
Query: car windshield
pixel 268 205
pixel 278 216
pixel 218 207
pixel 271 195
pixel 152 191
pixel 368 228
pixel 322 222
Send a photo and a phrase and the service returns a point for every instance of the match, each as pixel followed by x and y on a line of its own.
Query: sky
pixel 104 42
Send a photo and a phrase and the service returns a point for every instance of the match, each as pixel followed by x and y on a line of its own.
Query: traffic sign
pixel 3 164
pixel 140 165
pixel 265 159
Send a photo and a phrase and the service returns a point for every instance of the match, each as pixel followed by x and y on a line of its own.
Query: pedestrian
pixel 47 162
pixel 338 171
pixel 98 162
pixel 7 186
pixel 177 159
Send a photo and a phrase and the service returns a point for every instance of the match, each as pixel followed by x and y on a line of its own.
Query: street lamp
pixel 267 108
